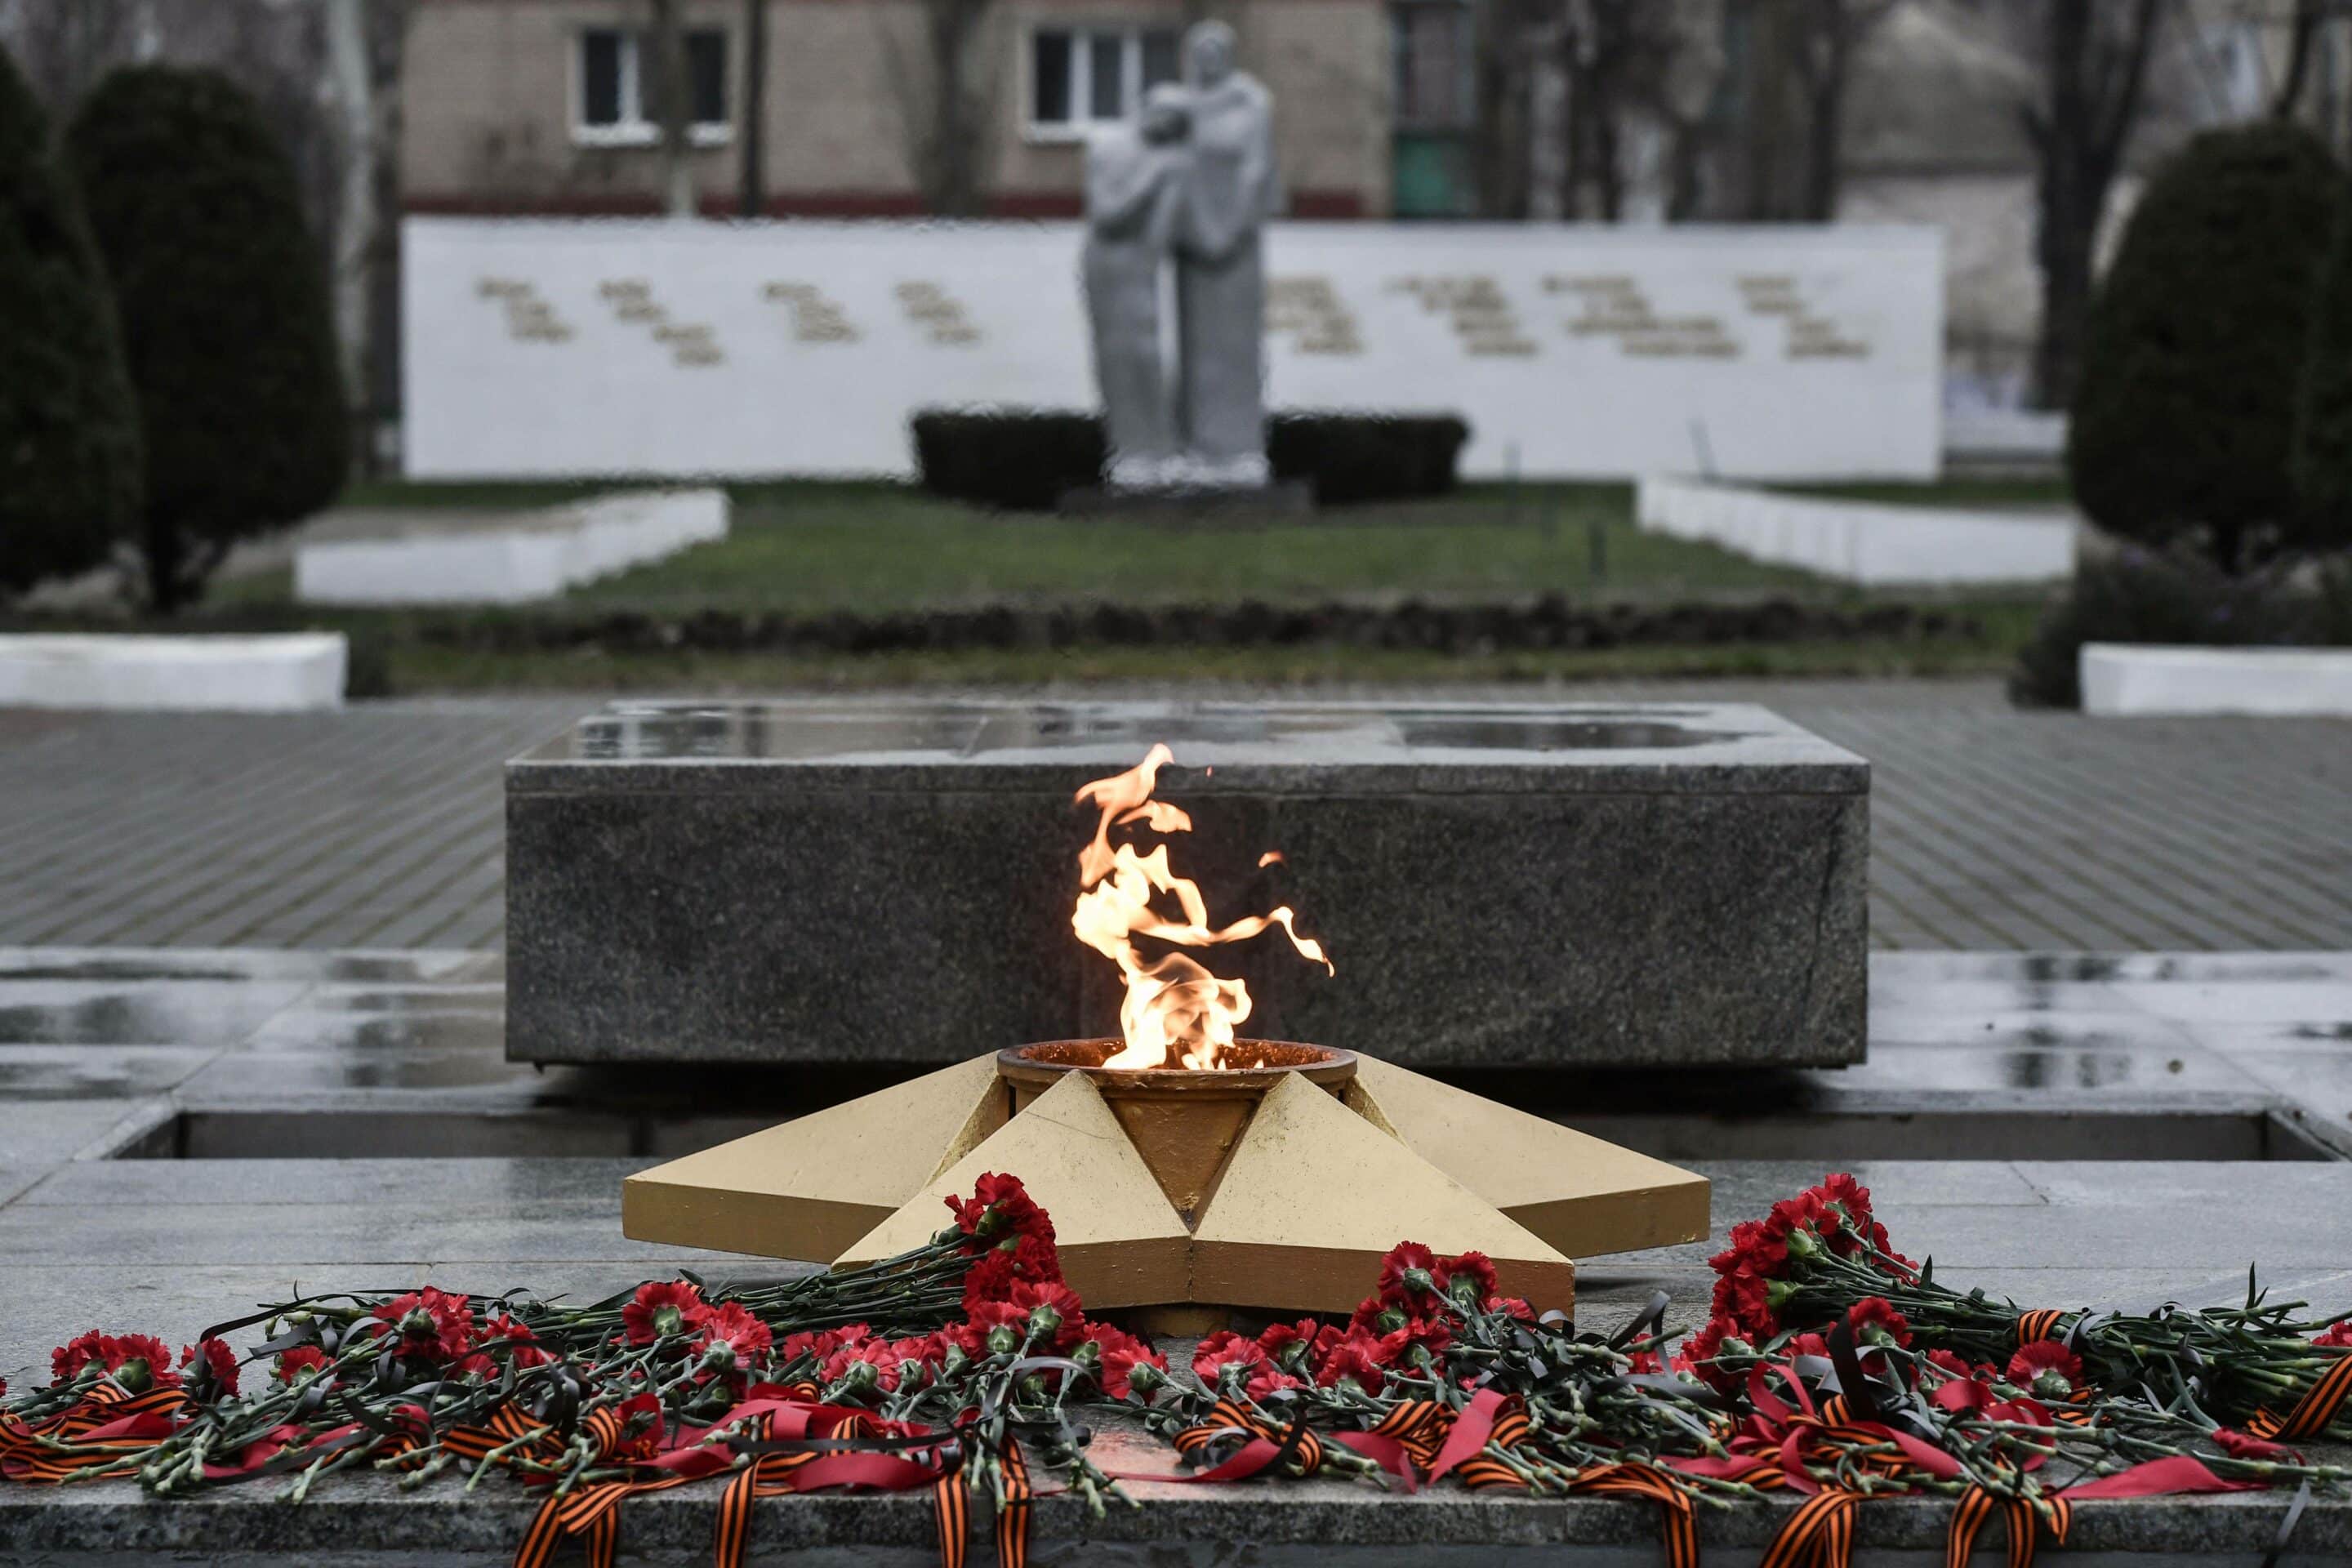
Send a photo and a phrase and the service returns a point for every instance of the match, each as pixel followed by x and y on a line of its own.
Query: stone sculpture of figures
pixel 1189 187
pixel 1134 192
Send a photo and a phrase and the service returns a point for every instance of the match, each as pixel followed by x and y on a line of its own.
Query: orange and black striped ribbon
pixel 951 1501
pixel 1976 1507
pixel 2313 1413
pixel 1418 1426
pixel 1820 1535
pixel 1677 1522
pixel 2039 1324
pixel 1012 1510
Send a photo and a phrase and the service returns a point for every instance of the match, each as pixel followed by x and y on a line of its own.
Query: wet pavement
pixel 384 827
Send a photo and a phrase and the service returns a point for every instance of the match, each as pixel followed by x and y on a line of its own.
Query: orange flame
pixel 1174 1005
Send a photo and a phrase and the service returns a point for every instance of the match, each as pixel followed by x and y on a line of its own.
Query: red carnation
pixel 1361 1356
pixel 1511 1307
pixel 1695 1358
pixel 732 1336
pixel 641 1428
pixel 67 1362
pixel 1267 1381
pixel 1054 1312
pixel 431 1325
pixel 1225 1350
pixel 1408 1274
pixel 817 1345
pixel 1469 1278
pixel 1001 1206
pixel 2335 1334
pixel 1300 1345
pixel 219 1363
pixel 137 1362
pixel 1746 1300
pixel 1122 1356
pixel 662 1308
pixel 2046 1369
pixel 523 1348
pixel 1954 1366
pixel 871 1364
pixel 1874 1321
pixel 301 1359
pixel 1807 1344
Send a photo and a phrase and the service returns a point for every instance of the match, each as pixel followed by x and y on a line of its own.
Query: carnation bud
pixel 1044 1319
pixel 417 1323
pixel 955 1361
pixel 1732 1344
pixel 2052 1384
pixel 134 1375
pixel 1803 1243
pixel 862 1374
pixel 1032 1389
pixel 718 1356
pixel 991 1222
pixel 911 1374
pixel 668 1320
pixel 1390 1320
pixel 1420 1279
pixel 1088 1354
pixel 1143 1377
pixel 1777 1293
pixel 1003 1341
pixel 1464 1289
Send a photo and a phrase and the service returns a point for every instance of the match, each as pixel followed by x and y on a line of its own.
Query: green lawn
pixel 808 549
pixel 817 548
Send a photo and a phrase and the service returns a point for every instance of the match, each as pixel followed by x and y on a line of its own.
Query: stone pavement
pixel 382 825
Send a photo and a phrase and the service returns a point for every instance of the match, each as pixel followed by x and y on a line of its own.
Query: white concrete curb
pixel 2127 677
pixel 1859 542
pixel 275 674
pixel 534 555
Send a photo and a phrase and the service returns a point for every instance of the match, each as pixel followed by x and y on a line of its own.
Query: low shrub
pixel 1025 459
pixel 1021 460
pixel 2179 597
pixel 1367 457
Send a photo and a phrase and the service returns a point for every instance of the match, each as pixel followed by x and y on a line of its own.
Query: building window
pixel 1436 61
pixel 619 89
pixel 1089 75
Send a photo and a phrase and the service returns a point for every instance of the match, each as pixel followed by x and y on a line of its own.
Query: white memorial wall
pixel 540 348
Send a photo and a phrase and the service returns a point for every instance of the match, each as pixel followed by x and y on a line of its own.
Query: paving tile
pixel 139 1012
pixel 1996 829
pixel 93 1072
pixel 60 1130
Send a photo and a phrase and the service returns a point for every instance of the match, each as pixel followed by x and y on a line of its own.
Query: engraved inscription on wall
pixel 1476 307
pixel 529 317
pixel 693 345
pixel 817 318
pixel 939 314
pixel 1309 311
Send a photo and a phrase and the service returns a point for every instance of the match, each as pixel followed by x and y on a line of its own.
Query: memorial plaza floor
pixel 251 1042
pixel 381 826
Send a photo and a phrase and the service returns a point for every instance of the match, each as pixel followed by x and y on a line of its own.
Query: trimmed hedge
pixel 1367 457
pixel 2179 597
pixel 68 427
pixel 1025 459
pixel 2184 416
pixel 223 297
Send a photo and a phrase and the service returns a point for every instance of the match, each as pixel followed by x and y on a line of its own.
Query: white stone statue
pixel 1187 187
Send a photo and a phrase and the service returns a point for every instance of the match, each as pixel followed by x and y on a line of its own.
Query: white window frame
pixel 1082 36
pixel 632 129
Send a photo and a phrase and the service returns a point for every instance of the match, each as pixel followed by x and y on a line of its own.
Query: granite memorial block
pixel 892 883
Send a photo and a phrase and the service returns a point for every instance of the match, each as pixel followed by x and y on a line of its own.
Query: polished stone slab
pixel 141 1245
pixel 1572 885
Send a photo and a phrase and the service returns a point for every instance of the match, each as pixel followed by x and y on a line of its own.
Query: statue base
pixel 1180 503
